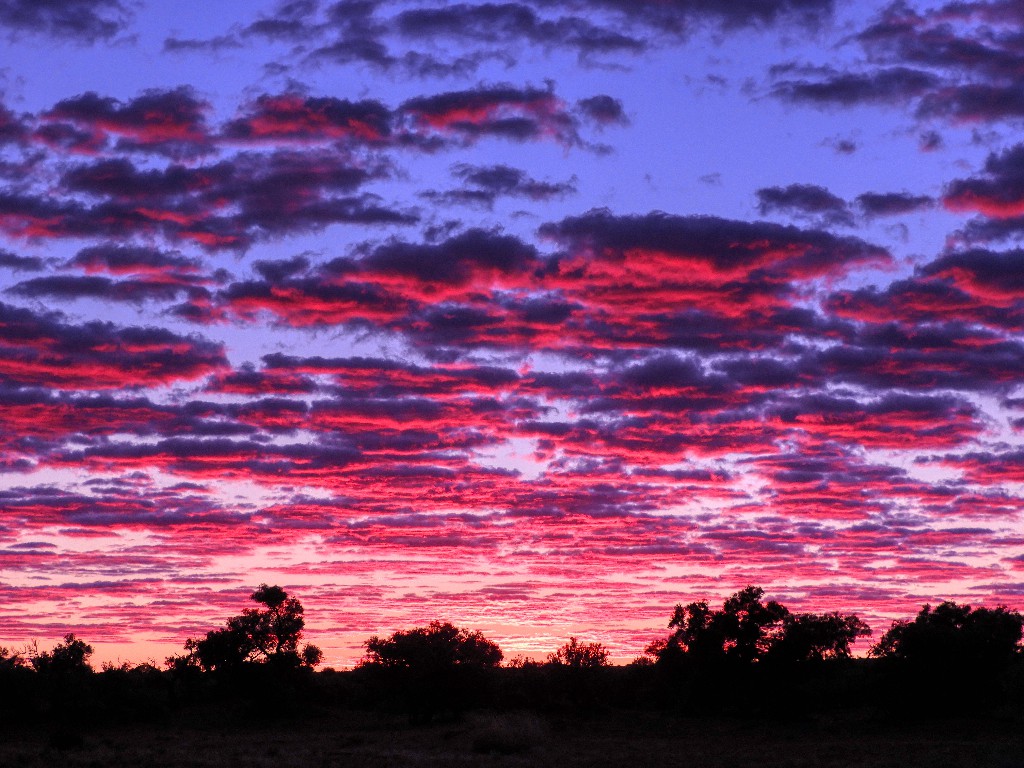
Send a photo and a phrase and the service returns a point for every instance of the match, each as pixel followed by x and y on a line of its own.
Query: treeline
pixel 750 657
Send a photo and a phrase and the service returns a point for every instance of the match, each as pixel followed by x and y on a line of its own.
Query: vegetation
pixel 750 659
pixel 270 636
pixel 438 647
pixel 747 630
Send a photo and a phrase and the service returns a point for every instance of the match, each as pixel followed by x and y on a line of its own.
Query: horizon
pixel 537 317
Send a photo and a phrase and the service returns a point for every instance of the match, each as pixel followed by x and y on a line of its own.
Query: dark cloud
pixel 994 277
pixel 504 111
pixel 188 45
pixel 46 349
pixel 118 259
pixel 937 38
pixel 930 141
pixel 13 129
pixel 895 85
pixel 960 62
pixel 977 102
pixel 997 192
pixel 18 263
pixel 680 15
pixel 270 195
pixel 721 246
pixel 874 204
pixel 279 270
pixel 497 23
pixel 485 184
pixel 936 421
pixel 603 110
pixel 292 19
pixel 74 287
pixel 169 122
pixel 357 32
pixel 295 117
pixel 950 356
pixel 805 200
pixel 83 20
pixel 470 256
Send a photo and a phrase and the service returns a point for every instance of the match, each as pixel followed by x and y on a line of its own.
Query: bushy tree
pixel 741 631
pixel 748 630
pixel 10 660
pixel 70 657
pixel 437 646
pixel 577 655
pixel 430 669
pixel 812 636
pixel 259 635
pixel 950 658
pixel 952 633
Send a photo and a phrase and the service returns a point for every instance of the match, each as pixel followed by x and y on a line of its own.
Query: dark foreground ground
pixel 524 739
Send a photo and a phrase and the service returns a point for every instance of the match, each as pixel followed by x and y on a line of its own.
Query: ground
pixel 525 739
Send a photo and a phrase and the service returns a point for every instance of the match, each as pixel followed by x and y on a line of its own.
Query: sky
pixel 538 316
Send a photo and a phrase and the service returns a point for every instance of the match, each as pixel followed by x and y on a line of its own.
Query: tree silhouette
pixel 430 669
pixel 811 636
pixel 438 646
pixel 949 658
pixel 10 660
pixel 742 631
pixel 577 655
pixel 268 635
pixel 952 632
pixel 70 657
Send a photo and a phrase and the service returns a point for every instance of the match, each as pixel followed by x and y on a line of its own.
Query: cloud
pixel 894 85
pixel 603 110
pixel 18 263
pixel 998 192
pixel 77 287
pixel 80 20
pixel 712 248
pixel 497 23
pixel 681 15
pixel 293 117
pixel 119 259
pixel 505 111
pixel 46 349
pixel 168 122
pixel 485 184
pixel 805 200
pixel 959 62
pixel 13 129
pixel 226 205
pixel 875 204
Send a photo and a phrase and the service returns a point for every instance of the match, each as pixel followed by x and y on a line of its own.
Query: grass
pixel 620 738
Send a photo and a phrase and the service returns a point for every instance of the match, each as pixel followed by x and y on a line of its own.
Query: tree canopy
pixel 258 635
pixel 952 632
pixel 439 645
pixel 68 657
pixel 748 630
pixel 577 655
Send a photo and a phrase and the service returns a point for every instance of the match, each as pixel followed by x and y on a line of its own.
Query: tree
pixel 430 669
pixel 268 635
pixel 438 646
pixel 10 660
pixel 70 657
pixel 950 658
pixel 811 636
pixel 952 633
pixel 577 655
pixel 742 631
